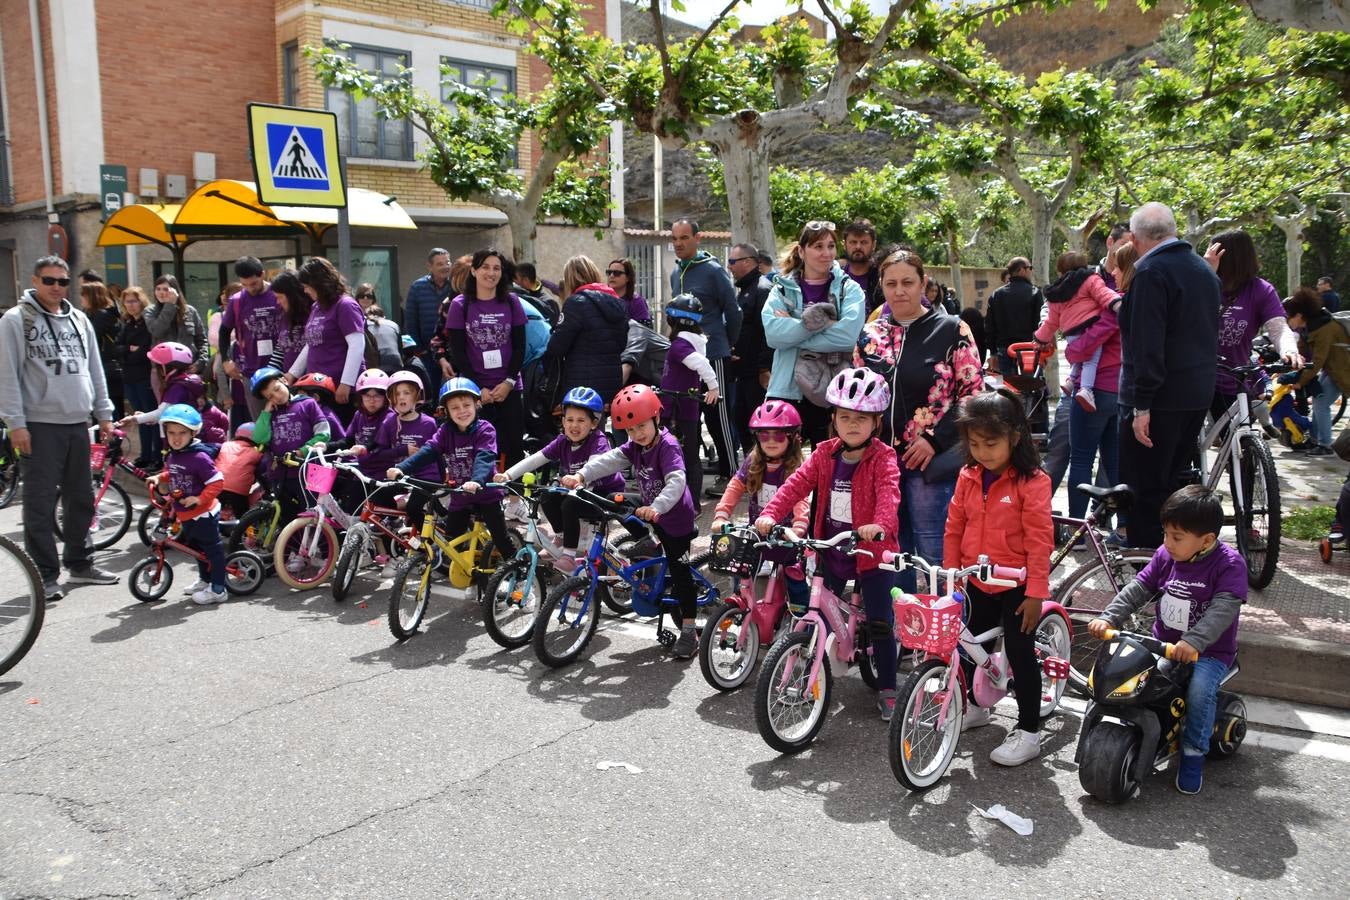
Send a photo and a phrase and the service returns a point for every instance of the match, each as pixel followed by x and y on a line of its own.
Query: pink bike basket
pixel 320 479
pixel 928 623
pixel 98 455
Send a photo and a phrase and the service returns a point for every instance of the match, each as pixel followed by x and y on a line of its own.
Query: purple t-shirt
pixel 254 321
pixel 459 452
pixel 406 438
pixel 190 470
pixel 864 280
pixel 326 336
pixel 650 467
pixel 487 328
pixel 292 427
pixel 1254 305
pixel 571 457
pixel 215 426
pixel 363 431
pixel 1186 589
pixel 813 293
pixel 289 341
pixel 676 376
pixel 839 517
pixel 637 308
pixel 773 480
pixel 187 389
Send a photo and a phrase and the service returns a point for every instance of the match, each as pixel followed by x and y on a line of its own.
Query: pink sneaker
pixel 1086 399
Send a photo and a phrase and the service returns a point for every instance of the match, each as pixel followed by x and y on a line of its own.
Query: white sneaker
pixel 206 596
pixel 976 717
pixel 196 586
pixel 295 564
pixel 1018 747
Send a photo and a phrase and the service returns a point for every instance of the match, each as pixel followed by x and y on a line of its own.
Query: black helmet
pixel 685 306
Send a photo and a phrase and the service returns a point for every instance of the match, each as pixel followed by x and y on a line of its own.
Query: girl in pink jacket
pixel 1077 300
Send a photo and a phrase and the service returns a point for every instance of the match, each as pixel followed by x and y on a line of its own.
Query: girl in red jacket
pixel 855 458
pixel 1001 509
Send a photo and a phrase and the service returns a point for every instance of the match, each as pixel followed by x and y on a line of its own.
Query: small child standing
pixel 194 485
pixel 666 505
pixel 1001 509
pixel 238 462
pixel 685 365
pixel 1076 300
pixel 581 439
pixel 1200 584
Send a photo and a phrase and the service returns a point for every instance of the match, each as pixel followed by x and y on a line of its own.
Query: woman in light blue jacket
pixel 812 320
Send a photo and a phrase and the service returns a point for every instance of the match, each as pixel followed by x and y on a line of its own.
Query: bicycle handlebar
pixel 1148 640
pixel 983 570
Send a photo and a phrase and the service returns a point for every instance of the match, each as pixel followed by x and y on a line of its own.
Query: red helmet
pixel 635 403
pixel 775 414
pixel 316 381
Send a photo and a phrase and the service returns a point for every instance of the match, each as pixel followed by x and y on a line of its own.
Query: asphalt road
pixel 284 745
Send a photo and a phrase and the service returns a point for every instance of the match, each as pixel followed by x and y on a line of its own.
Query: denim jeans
pixel 1088 433
pixel 1321 418
pixel 203 533
pixel 1200 704
pixel 923 519
pixel 142 397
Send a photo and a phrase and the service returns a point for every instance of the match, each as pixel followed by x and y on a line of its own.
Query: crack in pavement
pixel 32 751
pixel 70 808
pixel 259 637
pixel 402 807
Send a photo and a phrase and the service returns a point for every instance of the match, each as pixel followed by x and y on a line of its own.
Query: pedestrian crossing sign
pixel 295 156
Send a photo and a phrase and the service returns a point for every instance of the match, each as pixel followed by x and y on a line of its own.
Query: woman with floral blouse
pixel 929 359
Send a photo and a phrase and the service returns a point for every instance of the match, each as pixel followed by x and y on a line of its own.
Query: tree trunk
pixel 954 267
pixel 1043 231
pixel 523 233
pixel 745 167
pixel 1292 226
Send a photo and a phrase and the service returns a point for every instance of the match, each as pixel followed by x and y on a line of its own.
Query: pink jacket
pixel 238 462
pixel 1011 525
pixel 1103 333
pixel 1090 300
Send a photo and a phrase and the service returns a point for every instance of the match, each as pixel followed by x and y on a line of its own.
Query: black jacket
pixel 1169 332
pixel 872 289
pixel 589 339
pixel 1014 314
pixel 108 330
pixel 751 354
pixel 135 363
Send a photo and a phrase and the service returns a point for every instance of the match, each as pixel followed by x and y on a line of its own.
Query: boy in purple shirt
pixel 194 485
pixel 251 318
pixel 658 467
pixel 287 424
pixel 1200 585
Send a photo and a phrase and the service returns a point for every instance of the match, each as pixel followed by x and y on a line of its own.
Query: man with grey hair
pixel 1169 329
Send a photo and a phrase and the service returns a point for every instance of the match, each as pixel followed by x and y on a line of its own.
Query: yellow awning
pixel 143 223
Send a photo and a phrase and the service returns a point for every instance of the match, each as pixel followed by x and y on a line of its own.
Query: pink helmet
pixel 775 414
pixel 372 380
pixel 861 390
pixel 403 376
pixel 170 352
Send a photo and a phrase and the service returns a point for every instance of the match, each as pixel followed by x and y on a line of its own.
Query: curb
pixel 1294 668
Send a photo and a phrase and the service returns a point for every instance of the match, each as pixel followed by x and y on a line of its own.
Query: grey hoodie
pixel 53 374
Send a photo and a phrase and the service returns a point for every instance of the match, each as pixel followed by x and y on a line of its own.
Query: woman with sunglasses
pixel 811 320
pixel 622 279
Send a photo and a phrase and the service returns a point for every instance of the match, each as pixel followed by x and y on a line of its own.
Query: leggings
pixel 565 515
pixel 674 548
pixel 203 533
pixel 875 587
pixel 458 521
pixel 690 434
pixel 1019 648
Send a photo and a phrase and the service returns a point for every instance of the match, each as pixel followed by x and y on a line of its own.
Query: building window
pixel 290 74
pixel 497 80
pixel 362 131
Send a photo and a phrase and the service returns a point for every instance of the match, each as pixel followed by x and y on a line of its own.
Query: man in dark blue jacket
pixel 751 357
pixel 422 306
pixel 1169 329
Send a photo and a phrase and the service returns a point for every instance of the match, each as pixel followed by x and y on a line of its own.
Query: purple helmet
pixel 861 390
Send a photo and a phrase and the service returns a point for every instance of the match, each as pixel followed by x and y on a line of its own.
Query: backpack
pixel 537 332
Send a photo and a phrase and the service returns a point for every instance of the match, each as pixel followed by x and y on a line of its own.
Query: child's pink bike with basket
pixel 931 703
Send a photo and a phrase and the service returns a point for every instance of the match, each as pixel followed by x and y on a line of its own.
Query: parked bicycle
pixel 10 469
pixel 306 548
pixel 22 604
pixel 112 504
pixel 514 594
pixel 152 577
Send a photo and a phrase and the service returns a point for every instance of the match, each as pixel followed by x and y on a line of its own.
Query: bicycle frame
pixel 1236 421
pixel 764 609
pixel 825 614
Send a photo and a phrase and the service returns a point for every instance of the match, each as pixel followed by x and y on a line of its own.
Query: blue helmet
pixel 182 414
pixel 407 342
pixel 261 378
pixel 585 398
pixel 460 386
pixel 685 306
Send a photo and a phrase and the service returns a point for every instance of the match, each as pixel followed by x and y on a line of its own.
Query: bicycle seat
pixel 1120 497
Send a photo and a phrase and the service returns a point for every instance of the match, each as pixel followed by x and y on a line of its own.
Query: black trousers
pixel 1154 472
pixel 565 515
pixel 508 418
pixel 747 396
pixel 59 462
pixel 690 435
pixel 718 419
pixel 457 522
pixel 675 548
pixel 1019 648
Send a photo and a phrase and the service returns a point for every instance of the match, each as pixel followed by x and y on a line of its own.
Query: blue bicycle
pixel 570 613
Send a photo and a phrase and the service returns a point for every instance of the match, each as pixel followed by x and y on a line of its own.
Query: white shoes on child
pixel 975 717
pixel 206 596
pixel 196 586
pixel 1018 747
pixel 1086 399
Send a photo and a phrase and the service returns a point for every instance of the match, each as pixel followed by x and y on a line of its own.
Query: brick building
pixel 161 87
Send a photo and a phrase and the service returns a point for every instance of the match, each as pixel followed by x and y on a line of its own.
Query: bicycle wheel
pixel 112 516
pixel 147 521
pixel 244 572
pixel 409 596
pixel 926 725
pixel 299 560
pixel 9 482
pixel 22 604
pixel 790 707
pixel 567 622
pixel 1054 639
pixel 150 580
pixel 511 602
pixel 1085 593
pixel 254 531
pixel 353 553
pixel 1258 522
pixel 724 664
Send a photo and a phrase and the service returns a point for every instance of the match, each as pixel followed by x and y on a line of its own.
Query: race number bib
pixel 766 492
pixel 841 505
pixel 492 359
pixel 264 349
pixel 1175 612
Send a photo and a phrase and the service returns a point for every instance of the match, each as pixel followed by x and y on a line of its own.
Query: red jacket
pixel 876 494
pixel 1011 526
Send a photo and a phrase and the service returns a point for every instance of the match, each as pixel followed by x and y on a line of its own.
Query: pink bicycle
pixel 728 649
pixel 930 705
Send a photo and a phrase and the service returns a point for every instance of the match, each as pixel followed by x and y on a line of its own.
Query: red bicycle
pixel 152 577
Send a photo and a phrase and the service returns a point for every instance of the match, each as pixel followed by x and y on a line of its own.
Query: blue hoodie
pixel 786 334
pixel 704 277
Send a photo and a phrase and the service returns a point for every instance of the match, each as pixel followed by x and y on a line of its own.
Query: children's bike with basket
pixel 152 577
pixel 306 549
pixel 112 504
pixel 930 705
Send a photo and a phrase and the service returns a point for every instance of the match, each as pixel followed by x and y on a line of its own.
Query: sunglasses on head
pixel 820 225
pixel 774 434
pixel 49 281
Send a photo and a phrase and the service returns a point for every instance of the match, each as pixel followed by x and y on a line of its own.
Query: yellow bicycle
pixel 471 559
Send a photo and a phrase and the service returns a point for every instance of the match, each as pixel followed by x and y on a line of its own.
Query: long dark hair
pixel 811 232
pixel 1000 414
pixel 327 281
pixel 298 303
pixel 503 284
pixel 759 463
pixel 630 274
pixel 181 308
pixel 1239 264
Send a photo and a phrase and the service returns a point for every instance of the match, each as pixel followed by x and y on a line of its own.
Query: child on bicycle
pixel 1001 509
pixel 238 462
pixel 179 384
pixel 777 427
pixel 581 439
pixel 324 391
pixel 194 484
pixel 1200 584
pixel 658 467
pixel 406 432
pixel 855 457
pixel 288 424
pixel 685 365
pixel 466 446
pixel 373 457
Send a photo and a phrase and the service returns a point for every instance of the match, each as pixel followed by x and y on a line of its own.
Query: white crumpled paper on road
pixel 627 767
pixel 1017 823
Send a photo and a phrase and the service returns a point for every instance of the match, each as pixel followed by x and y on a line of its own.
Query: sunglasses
pixel 49 281
pixel 820 225
pixel 613 272
pixel 732 260
pixel 775 434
